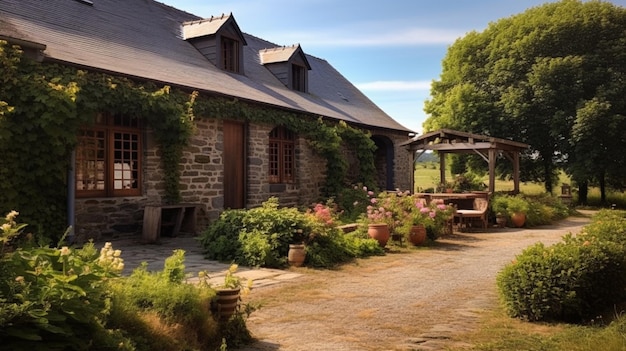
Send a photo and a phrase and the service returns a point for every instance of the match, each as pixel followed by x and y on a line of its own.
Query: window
pixel 282 156
pixel 108 158
pixel 298 78
pixel 230 55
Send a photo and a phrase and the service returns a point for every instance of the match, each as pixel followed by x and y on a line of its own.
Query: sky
pixel 390 49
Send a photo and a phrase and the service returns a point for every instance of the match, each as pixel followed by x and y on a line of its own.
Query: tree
pixel 527 77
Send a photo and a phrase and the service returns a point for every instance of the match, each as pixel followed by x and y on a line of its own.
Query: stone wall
pixel 202 181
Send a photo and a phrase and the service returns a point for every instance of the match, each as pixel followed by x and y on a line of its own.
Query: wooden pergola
pixel 446 141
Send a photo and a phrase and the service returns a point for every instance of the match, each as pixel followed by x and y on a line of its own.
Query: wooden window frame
pixel 109 158
pixel 231 55
pixel 282 156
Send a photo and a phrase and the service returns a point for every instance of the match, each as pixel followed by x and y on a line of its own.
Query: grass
pixel 427 176
pixel 498 332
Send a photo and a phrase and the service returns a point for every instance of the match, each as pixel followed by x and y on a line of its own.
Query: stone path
pixel 420 300
pixel 134 253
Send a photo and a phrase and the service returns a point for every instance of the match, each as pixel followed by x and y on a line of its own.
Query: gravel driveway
pixel 411 300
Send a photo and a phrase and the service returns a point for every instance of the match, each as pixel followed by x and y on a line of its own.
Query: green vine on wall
pixel 43 106
pixel 324 137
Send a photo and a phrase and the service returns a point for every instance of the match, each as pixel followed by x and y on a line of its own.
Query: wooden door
pixel 234 165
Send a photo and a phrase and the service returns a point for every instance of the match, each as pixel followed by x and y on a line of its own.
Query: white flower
pixel 65 251
pixel 11 216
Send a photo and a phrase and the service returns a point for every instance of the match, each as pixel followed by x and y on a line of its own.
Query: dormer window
pixel 289 65
pixel 219 39
pixel 230 55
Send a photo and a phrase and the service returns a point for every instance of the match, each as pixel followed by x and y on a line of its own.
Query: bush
pixel 221 239
pixel 573 280
pixel 544 209
pixel 56 298
pixel 261 236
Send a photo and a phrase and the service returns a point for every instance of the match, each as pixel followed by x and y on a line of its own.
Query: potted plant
pixel 413 226
pixel 228 295
pixel 515 207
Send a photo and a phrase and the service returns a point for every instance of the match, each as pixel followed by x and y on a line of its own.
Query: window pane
pixel 126 161
pixel 90 161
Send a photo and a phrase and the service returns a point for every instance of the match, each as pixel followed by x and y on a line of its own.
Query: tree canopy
pixel 553 77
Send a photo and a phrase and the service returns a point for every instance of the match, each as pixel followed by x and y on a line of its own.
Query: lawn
pixel 427 177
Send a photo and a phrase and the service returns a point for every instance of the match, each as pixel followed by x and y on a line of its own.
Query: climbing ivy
pixel 43 106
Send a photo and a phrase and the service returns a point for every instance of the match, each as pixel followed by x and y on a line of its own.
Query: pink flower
pixel 432 214
pixel 441 207
pixel 373 200
pixel 424 210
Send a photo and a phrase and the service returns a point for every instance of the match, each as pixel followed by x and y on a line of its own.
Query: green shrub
pixel 221 239
pixel 263 236
pixel 569 281
pixel 544 209
pixel 608 225
pixel 352 202
pixel 56 298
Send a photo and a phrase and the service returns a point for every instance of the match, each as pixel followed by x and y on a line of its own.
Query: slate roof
pixel 144 39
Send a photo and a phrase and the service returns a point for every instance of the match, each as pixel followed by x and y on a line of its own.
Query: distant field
pixel 427 176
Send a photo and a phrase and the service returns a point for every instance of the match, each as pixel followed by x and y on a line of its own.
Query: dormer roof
pixel 283 54
pixel 211 26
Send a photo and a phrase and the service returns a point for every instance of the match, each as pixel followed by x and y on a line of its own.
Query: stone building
pixel 227 163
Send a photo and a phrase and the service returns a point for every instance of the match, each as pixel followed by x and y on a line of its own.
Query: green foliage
pixel 221 239
pixel 172 300
pixel 468 182
pixel 261 237
pixel 508 205
pixel 539 209
pixel 545 209
pixel 324 138
pixel 56 298
pixel 352 202
pixel 549 77
pixel 42 107
pixel 573 280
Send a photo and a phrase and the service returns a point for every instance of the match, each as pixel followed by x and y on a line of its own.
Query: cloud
pixel 394 85
pixel 405 37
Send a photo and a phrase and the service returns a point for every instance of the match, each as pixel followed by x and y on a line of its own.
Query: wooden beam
pixel 460 146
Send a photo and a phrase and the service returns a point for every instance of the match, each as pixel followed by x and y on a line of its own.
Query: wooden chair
pixel 478 212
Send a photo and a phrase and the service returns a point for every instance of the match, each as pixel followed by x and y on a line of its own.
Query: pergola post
pixel 442 167
pixel 492 171
pixel 516 172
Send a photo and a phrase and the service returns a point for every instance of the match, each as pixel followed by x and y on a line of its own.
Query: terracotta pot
pixel 225 303
pixel 518 219
pixel 417 235
pixel 380 232
pixel 296 254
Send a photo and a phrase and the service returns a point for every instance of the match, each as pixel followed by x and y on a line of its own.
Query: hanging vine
pixel 43 106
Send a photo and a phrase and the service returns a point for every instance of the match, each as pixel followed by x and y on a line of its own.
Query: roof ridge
pixel 209 19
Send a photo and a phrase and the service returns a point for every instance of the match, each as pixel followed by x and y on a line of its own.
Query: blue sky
pixel 390 49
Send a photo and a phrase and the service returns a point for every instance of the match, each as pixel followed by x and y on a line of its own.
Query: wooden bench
pixel 168 220
pixel 477 212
